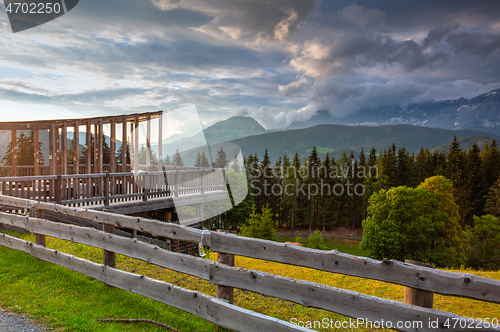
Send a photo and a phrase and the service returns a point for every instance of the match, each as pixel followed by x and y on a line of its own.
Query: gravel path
pixel 10 322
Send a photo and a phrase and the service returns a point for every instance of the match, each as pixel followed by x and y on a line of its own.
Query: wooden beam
pixel 112 148
pixel 160 142
pixel 124 144
pixel 37 152
pixel 101 143
pixel 88 153
pixel 13 144
pixel 96 148
pixel 57 151
pixel 64 160
pixel 76 149
pixel 52 148
pixel 148 143
pixel 136 144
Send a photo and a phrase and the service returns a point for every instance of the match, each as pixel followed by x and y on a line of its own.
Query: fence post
pixel 202 185
pixel 176 192
pixel 39 238
pixel 419 297
pixel 109 256
pixel 224 292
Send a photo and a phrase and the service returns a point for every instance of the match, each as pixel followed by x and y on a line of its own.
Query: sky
pixel 277 61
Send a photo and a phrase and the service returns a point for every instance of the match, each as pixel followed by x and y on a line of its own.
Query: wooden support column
pixel 52 143
pixel 124 145
pixel 13 144
pixel 101 143
pixel 160 142
pixel 416 296
pixel 96 148
pixel 37 153
pixel 57 151
pixel 136 144
pixel 168 216
pixel 88 152
pixel 39 238
pixel 225 293
pixel 112 148
pixel 148 143
pixel 64 138
pixel 76 149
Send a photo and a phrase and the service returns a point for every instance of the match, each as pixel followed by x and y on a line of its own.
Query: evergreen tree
pixel 221 159
pixel 177 159
pixel 167 161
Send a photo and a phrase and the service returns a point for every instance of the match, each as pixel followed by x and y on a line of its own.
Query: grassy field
pixel 68 301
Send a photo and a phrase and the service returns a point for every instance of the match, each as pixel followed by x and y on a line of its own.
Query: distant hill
pixel 479 113
pixel 337 138
pixel 466 143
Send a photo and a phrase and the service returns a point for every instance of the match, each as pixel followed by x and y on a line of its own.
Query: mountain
pixel 467 142
pixel 222 131
pixel 233 128
pixel 479 113
pixel 337 138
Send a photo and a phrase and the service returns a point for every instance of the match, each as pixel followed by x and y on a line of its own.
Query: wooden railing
pixel 109 188
pixel 6 171
pixel 309 294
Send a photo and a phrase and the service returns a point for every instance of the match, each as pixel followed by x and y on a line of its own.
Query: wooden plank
pixel 101 143
pixel 148 143
pixel 57 151
pixel 136 144
pixel 199 304
pixel 349 303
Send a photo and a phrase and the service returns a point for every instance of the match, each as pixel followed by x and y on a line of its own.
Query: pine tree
pixel 204 160
pixel 221 159
pixel 177 160
pixel 167 161
pixel 235 166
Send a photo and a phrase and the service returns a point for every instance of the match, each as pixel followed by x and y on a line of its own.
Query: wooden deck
pixel 123 193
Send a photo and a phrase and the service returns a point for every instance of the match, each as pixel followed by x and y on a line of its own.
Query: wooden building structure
pixel 58 146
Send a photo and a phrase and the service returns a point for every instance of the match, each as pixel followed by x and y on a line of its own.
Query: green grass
pixel 69 301
pixel 343 245
pixel 321 149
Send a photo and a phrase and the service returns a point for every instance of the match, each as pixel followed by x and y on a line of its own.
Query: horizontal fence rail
pixel 104 189
pixel 348 303
pixel 199 304
pixel 418 277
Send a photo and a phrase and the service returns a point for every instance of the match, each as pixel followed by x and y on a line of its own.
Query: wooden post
pixel 109 256
pixel 124 145
pixel 76 149
pixel 88 152
pixel 136 144
pixel 106 189
pixel 39 238
pixel 13 144
pixel 160 142
pixel 57 151
pixel 168 216
pixel 148 142
pixel 96 148
pixel 37 153
pixel 416 296
pixel 58 189
pixel 101 143
pixel 176 190
pixel 112 148
pixel 64 138
pixel 224 292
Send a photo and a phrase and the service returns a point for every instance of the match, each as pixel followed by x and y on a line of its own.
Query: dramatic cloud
pixel 276 60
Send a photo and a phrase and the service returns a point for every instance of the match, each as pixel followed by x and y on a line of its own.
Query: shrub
pixel 260 225
pixel 485 243
pixel 315 241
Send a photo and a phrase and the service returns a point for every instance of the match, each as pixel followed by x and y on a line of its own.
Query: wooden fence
pixel 222 313
pixel 108 188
